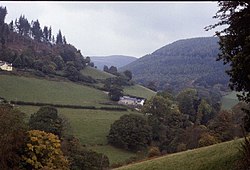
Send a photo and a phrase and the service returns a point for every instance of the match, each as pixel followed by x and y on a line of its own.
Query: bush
pixel 130 132
pixel 154 151
pixel 207 139
pixel 181 147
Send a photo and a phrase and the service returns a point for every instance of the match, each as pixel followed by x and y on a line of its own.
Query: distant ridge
pixel 113 60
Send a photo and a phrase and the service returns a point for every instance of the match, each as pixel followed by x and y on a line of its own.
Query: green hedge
pixel 66 106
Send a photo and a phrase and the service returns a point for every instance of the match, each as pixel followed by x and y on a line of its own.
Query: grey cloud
pixel 127 28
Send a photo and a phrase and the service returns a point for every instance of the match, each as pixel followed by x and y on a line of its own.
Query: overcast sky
pixel 125 28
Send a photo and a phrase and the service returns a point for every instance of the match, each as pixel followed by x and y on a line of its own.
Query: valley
pixel 173 108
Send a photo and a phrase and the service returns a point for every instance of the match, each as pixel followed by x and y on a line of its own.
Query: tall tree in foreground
pixel 235 43
pixel 12 132
pixel 235 51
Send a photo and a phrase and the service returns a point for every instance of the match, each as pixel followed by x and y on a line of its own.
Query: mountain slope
pixel 182 63
pixel 113 60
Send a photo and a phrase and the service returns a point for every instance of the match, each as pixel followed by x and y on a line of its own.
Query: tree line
pixel 32 29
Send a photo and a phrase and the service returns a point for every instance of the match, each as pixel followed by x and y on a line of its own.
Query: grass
pixel 115 155
pixel 222 156
pixel 90 126
pixel 139 91
pixel 228 101
pixel 45 91
pixel 95 73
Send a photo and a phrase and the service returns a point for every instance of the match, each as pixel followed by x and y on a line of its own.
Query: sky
pixel 132 28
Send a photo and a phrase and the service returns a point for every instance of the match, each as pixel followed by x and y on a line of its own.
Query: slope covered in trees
pixel 183 63
pixel 29 46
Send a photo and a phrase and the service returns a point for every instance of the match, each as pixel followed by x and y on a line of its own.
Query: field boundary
pixel 66 106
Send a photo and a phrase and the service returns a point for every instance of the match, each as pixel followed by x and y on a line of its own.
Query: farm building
pixel 127 100
pixel 5 66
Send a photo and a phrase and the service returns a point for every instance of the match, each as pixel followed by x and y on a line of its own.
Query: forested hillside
pixel 32 47
pixel 183 63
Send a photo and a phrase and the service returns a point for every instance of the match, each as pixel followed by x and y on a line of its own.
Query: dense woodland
pixel 184 63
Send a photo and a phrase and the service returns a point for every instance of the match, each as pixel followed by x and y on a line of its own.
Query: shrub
pixel 207 139
pixel 154 151
pixel 181 147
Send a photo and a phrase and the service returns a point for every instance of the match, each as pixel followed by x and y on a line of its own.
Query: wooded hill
pixel 28 45
pixel 183 63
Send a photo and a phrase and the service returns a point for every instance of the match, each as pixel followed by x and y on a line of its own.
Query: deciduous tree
pixel 43 150
pixel 12 132
pixel 130 132
pixel 47 119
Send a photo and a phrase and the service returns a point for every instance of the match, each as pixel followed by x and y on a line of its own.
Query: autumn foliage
pixel 43 151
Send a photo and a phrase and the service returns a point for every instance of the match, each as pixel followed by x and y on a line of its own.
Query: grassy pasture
pixel 140 91
pixel 95 73
pixel 228 101
pixel 115 155
pixel 91 127
pixel 221 156
pixel 45 91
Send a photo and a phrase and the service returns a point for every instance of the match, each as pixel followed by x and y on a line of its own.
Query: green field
pixel 45 91
pixel 222 156
pixel 115 155
pixel 139 91
pixel 228 101
pixel 95 73
pixel 91 127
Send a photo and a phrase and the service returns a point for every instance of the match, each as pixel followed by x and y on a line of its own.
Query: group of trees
pixel 176 123
pixel 41 144
pixel 114 85
pixel 24 28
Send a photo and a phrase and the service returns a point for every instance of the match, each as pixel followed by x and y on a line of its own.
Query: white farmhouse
pixel 127 100
pixel 5 66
